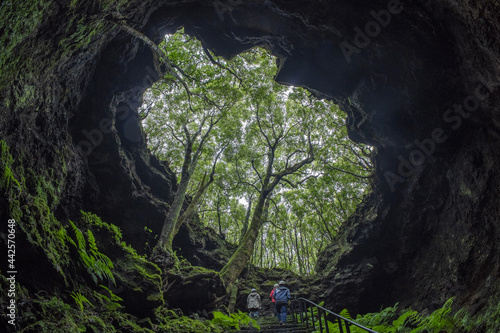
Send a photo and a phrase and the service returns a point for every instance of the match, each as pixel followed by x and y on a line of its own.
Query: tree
pixel 279 143
pixel 284 163
pixel 185 117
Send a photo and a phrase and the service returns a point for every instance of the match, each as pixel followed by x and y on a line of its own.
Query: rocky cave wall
pixel 72 79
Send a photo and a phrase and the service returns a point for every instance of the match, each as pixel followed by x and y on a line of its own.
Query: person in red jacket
pixel 273 300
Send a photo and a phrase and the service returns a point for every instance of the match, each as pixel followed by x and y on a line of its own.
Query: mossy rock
pixel 138 282
pixel 193 289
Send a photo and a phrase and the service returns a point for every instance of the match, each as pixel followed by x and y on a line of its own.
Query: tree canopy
pixel 267 165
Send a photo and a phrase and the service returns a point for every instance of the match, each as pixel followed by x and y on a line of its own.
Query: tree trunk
pixel 299 257
pixel 240 258
pixel 261 250
pixel 247 218
pixel 242 255
pixel 192 205
pixel 233 295
pixel 167 232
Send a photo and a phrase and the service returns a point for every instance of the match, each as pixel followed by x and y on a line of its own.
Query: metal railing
pixel 302 309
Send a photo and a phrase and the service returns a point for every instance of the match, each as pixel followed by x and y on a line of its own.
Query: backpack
pixel 281 295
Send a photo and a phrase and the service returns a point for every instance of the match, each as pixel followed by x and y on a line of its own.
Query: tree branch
pixel 120 22
pixel 345 171
pixel 215 62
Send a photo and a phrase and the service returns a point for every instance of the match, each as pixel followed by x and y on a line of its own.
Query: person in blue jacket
pixel 282 296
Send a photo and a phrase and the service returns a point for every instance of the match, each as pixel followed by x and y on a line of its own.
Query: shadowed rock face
pixel 418 81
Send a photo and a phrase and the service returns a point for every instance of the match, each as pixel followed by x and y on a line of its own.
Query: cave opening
pixel 72 79
pixel 227 129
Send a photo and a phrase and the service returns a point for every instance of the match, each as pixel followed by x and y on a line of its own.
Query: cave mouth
pixel 70 123
pixel 230 120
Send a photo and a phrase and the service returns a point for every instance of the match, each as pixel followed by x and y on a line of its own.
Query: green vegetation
pixel 443 320
pixel 92 311
pixel 81 35
pixel 80 300
pixel 18 21
pixel 244 131
pixel 98 265
pixel 234 320
pixel 30 197
pixel 8 183
pixel 268 166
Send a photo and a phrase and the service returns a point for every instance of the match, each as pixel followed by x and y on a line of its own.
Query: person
pixel 273 301
pixel 253 303
pixel 282 296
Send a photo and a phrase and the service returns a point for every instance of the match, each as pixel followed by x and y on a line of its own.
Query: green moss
pixel 81 35
pixel 129 259
pixel 184 268
pixel 57 317
pixel 136 273
pixel 82 313
pixel 107 5
pixel 28 203
pixel 18 21
pixel 25 96
pixel 8 183
pixel 95 221
pixel 131 271
pixel 31 198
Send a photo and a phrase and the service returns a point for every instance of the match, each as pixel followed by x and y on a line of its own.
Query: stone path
pixel 269 324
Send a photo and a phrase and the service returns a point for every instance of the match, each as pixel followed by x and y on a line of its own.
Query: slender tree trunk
pixel 192 205
pixel 325 223
pixel 270 249
pixel 219 222
pixel 261 249
pixel 274 257
pixel 299 258
pixel 173 220
pixel 285 247
pixel 306 249
pixel 247 218
pixel 344 212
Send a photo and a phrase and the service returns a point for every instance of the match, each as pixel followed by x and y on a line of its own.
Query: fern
pixel 410 321
pixel 234 320
pixel 80 300
pixel 98 265
pixel 384 317
pixel 410 317
pixel 111 303
pixel 438 321
pixel 224 320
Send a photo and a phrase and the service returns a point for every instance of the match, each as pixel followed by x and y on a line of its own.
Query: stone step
pixel 270 324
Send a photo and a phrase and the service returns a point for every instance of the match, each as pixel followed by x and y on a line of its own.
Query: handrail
pixel 303 312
